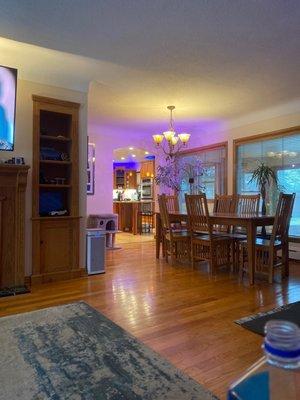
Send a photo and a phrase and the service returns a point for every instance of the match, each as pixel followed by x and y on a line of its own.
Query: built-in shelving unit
pixel 55 189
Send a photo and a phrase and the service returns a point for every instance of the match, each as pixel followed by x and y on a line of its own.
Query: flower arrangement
pixel 174 172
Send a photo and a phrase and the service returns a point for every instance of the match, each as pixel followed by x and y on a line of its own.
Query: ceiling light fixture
pixel 122 158
pixel 174 142
pixel 133 155
pixel 130 148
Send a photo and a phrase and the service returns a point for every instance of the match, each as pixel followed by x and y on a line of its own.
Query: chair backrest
pixel 283 217
pixel 164 215
pixel 198 215
pixel 225 203
pixel 172 203
pixel 248 204
pixel 146 207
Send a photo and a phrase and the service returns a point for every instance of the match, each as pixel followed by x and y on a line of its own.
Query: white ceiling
pixel 212 59
pixel 130 153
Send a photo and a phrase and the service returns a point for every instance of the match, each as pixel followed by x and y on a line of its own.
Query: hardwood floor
pixel 184 315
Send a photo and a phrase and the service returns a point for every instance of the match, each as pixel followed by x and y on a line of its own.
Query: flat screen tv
pixel 8 90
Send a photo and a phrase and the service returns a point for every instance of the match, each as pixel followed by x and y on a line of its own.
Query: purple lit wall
pixel 110 136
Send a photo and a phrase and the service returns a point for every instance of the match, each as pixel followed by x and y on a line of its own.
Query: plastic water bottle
pixel 276 376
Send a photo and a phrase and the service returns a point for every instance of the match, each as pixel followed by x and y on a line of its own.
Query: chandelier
pixel 169 141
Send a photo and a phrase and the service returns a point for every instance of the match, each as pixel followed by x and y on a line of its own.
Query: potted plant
pixel 264 176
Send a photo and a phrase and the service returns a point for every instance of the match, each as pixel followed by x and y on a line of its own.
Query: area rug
pixel 74 352
pixel 256 322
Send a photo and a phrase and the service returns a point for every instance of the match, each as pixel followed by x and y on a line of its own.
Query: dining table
pixel 249 221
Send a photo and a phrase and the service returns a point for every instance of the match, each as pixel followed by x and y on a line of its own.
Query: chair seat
pixel 262 243
pixel 237 236
pixel 178 235
pixel 214 237
pixel 178 230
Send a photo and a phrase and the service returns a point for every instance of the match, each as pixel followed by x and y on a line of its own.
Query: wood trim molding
pixel 50 100
pixel 266 135
pixel 205 148
pixel 57 276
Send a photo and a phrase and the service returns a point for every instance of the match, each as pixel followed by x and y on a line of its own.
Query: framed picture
pixel 91 169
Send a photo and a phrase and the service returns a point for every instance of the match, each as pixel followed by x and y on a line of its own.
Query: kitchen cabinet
pixel 130 178
pixel 125 178
pixel 147 169
pixel 119 178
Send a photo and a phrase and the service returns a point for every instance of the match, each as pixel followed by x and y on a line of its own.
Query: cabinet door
pixel 131 179
pixel 59 244
pixel 144 169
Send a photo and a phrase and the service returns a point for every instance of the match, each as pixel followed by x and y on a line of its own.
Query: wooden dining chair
pixel 205 245
pixel 176 242
pixel 247 203
pixel 225 204
pixel 145 217
pixel 172 203
pixel 266 250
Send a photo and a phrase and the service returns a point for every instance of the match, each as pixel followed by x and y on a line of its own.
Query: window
pixel 214 161
pixel 282 154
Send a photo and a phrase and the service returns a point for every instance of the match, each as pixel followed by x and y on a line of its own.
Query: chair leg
pixel 192 255
pixel 212 260
pixel 189 251
pixel 271 268
pixel 237 256
pixel 285 260
pixel 241 263
pixel 166 244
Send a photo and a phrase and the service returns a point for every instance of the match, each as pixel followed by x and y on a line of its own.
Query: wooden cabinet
pixel 55 188
pixel 13 180
pixel 130 179
pixel 124 178
pixel 57 248
pixel 119 178
pixel 147 169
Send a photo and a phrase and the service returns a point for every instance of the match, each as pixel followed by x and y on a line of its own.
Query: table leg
pixel 157 234
pixel 251 237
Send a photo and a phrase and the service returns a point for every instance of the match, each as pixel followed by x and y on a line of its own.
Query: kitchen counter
pixel 128 212
pixel 133 201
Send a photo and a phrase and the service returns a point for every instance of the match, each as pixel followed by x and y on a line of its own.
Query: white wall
pixel 23 148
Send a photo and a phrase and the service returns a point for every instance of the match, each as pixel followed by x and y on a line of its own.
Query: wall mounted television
pixel 8 90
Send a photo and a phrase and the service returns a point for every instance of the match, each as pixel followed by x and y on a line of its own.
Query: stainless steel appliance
pixel 147 188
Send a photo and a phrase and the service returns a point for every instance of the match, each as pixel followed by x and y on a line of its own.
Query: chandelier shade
pixel 184 137
pixel 158 139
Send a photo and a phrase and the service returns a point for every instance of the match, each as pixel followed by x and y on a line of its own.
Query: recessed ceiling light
pixel 146 152
pixel 130 148
pixel 122 158
pixel 133 155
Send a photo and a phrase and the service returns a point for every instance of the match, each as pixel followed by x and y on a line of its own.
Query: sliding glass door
pixel 282 154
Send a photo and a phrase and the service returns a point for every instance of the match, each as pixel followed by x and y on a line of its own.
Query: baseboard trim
pixel 27 280
pixel 56 276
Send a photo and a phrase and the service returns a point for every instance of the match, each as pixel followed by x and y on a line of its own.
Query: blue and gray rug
pixel 74 352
